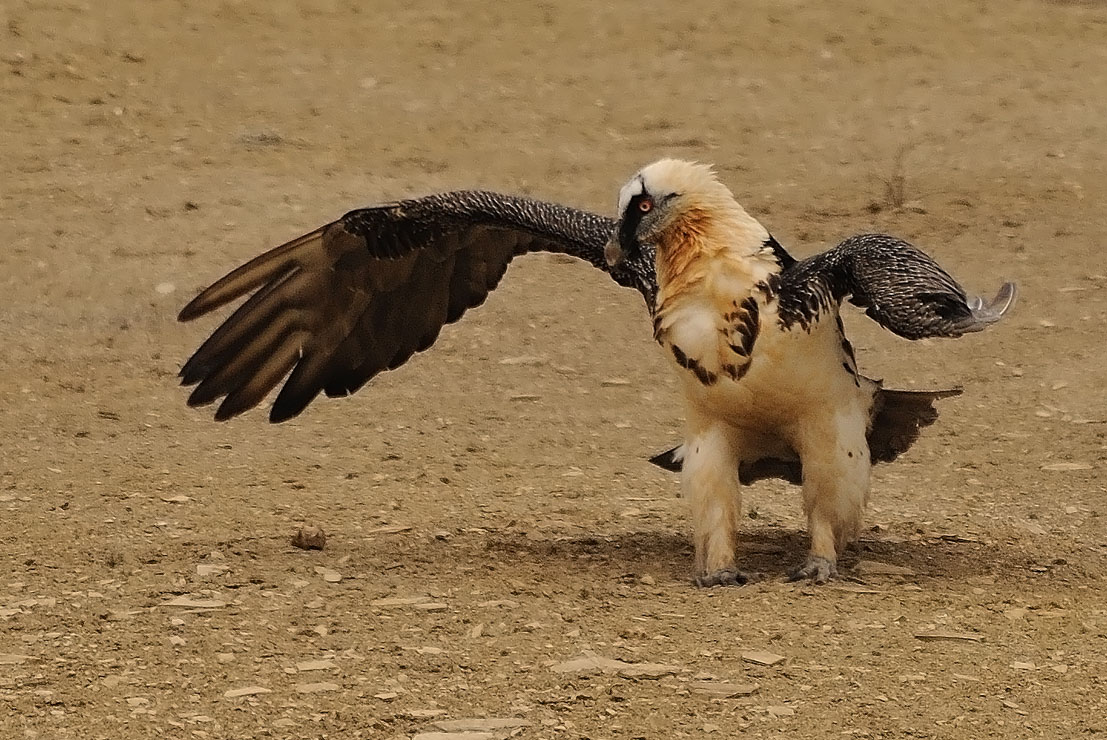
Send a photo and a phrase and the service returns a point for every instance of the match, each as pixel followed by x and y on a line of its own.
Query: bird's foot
pixel 817 569
pixel 722 577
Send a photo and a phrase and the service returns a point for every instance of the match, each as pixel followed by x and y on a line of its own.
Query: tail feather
pixel 898 417
pixel 748 472
pixel 671 459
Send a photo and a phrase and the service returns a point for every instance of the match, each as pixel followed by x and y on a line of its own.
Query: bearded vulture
pixel 756 332
pixel 765 367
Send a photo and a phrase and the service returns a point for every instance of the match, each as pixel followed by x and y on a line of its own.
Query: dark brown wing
pixel 361 295
pixel 900 288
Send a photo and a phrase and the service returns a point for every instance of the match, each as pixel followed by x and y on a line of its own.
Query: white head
pixel 661 194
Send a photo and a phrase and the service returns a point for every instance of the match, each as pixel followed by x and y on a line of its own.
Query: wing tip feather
pixel 984 314
pixel 249 276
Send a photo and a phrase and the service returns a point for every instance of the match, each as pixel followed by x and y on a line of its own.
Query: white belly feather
pixel 795 384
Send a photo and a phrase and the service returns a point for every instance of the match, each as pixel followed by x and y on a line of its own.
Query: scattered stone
pixel 316 688
pixel 434 606
pixel 395 602
pixel 523 360
pixel 246 691
pixel 481 725
pixel 315 665
pixel 189 602
pixel 1020 666
pixel 949 636
pixel 454 736
pixel 590 663
pixel 781 711
pixel 875 568
pixel 181 499
pixel 1034 528
pixel 424 713
pixel 210 570
pixel 762 657
pixel 612 382
pixel 386 695
pixel 165 288
pixel 309 538
pixel 855 589
pixel 330 575
pixel 1067 466
pixel 13 658
pixel 723 690
pixel 176 640
pixel 392 529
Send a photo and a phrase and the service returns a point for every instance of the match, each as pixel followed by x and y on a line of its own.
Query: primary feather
pixel 337 306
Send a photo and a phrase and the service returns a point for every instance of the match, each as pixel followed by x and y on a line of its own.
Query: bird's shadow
pixel 768 552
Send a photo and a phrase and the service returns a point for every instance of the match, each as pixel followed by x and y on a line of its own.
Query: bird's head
pixel 658 197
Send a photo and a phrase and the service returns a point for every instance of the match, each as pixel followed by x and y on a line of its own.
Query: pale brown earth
pixel 147 147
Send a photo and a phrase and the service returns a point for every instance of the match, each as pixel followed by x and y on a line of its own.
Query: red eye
pixel 645 205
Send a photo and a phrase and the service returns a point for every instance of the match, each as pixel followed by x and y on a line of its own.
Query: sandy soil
pixel 148 147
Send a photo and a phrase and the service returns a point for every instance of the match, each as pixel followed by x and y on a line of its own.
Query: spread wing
pixel 900 287
pixel 334 307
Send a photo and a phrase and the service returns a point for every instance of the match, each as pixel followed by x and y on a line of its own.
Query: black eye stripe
pixel 632 216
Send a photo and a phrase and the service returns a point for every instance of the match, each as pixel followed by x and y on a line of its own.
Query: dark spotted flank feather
pixel 335 307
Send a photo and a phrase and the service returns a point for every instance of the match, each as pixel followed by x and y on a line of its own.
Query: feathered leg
pixel 710 483
pixel 836 469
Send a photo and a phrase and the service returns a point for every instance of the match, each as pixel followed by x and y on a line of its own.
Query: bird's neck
pixel 706 240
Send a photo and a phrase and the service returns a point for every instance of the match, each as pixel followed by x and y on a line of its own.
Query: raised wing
pixel 900 287
pixel 362 294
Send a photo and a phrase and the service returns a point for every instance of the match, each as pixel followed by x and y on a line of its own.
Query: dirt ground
pixel 497 485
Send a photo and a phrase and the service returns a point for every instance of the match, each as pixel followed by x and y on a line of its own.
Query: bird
pixel 328 311
pixel 766 371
